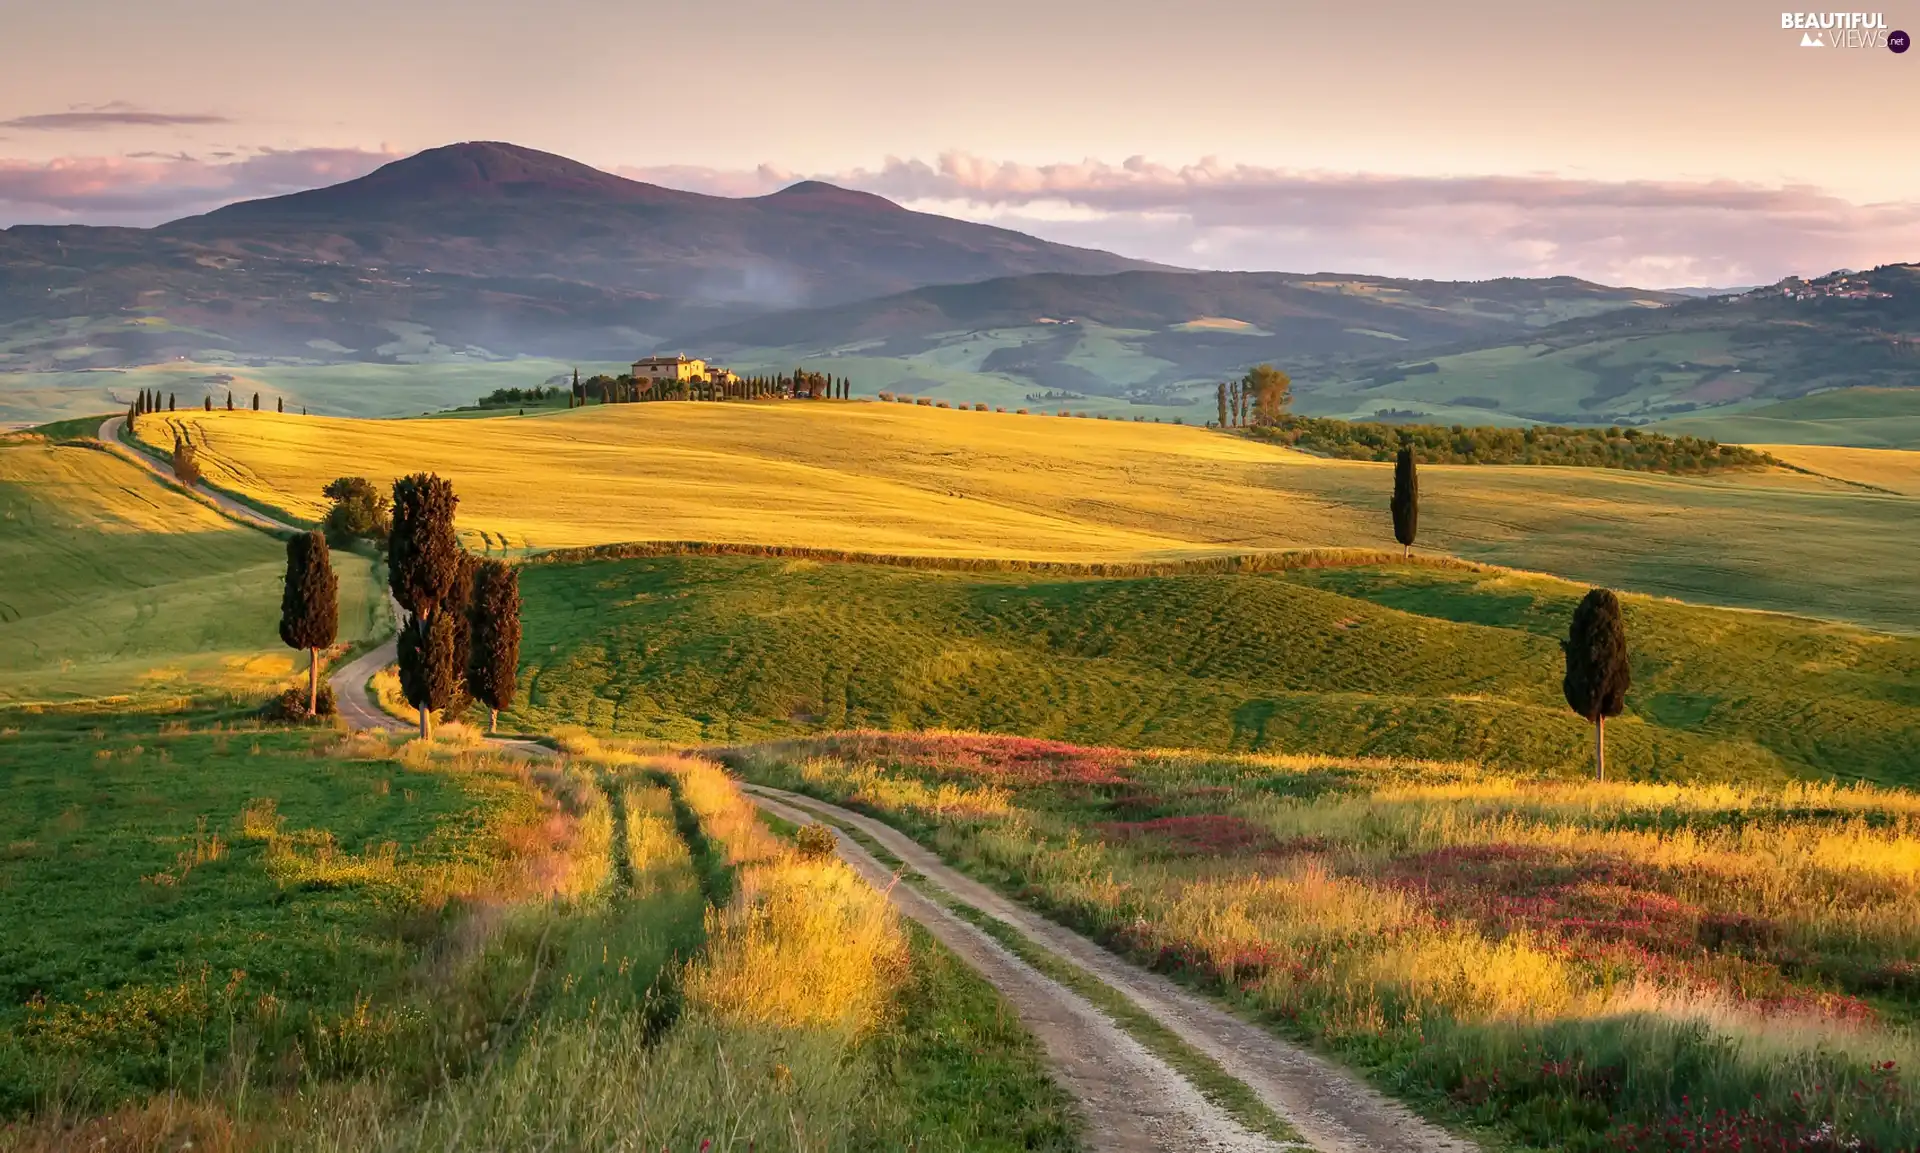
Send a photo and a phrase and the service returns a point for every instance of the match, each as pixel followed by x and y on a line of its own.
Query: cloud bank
pixel 149 188
pixel 1206 215
pixel 108 117
pixel 1234 216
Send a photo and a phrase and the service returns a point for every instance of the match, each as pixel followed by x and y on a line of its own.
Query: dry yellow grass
pixel 1897 470
pixel 903 479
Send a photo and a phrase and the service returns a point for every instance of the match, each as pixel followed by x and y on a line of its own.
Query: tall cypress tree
pixel 493 656
pixel 1221 398
pixel 256 402
pixel 1598 671
pixel 206 402
pixel 280 405
pixel 459 599
pixel 170 399
pixel 309 605
pixel 1406 499
pixel 423 566
pixel 229 400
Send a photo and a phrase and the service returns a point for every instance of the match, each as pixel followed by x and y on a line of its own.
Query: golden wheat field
pixel 116 584
pixel 1897 470
pixel 902 479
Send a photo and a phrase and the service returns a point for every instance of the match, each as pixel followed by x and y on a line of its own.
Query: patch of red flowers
pixel 1009 760
pixel 1742 1131
pixel 1204 834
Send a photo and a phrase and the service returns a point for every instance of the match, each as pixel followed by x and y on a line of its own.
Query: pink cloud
pixel 1218 215
pixel 1211 214
pixel 149 188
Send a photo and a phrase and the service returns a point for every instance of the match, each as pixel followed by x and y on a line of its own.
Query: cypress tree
pixel 133 417
pixel 256 402
pixel 493 656
pixel 186 461
pixel 427 675
pixel 206 402
pixel 1221 397
pixel 229 400
pixel 1598 672
pixel 459 600
pixel 170 399
pixel 280 405
pixel 423 566
pixel 1406 499
pixel 309 605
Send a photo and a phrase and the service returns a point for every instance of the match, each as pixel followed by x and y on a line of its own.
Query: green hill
pixel 1691 360
pixel 1858 417
pixel 1153 338
pixel 1404 662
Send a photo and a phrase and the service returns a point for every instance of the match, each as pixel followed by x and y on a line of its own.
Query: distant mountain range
pixel 487 251
pixel 484 246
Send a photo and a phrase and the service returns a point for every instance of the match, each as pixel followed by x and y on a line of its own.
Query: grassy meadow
pixel 1859 417
pixel 1573 966
pixel 235 936
pixel 904 479
pixel 112 585
pixel 1401 661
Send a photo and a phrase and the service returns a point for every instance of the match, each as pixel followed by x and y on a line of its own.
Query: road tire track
pixel 1332 1109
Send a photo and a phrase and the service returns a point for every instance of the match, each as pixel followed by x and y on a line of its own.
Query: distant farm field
pixel 354 389
pixel 1892 469
pixel 1860 417
pixel 115 584
pixel 902 479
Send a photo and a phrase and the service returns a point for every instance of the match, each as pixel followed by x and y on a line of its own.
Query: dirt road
pixel 1132 1100
pixel 1331 1108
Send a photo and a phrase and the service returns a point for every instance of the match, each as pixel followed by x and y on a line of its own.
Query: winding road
pixel 1133 1101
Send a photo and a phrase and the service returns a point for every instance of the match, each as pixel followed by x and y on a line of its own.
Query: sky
pixel 1636 141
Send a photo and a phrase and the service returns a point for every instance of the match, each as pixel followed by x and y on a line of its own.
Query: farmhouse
pixel 679 368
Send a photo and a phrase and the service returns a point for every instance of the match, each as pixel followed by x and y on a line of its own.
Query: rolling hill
pixel 1153 337
pixel 891 478
pixel 1697 360
pixel 488 249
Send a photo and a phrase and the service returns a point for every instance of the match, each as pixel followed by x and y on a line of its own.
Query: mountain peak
pixel 820 194
pixel 474 170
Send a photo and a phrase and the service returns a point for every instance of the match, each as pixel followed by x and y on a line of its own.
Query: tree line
pixel 460 641
pixel 147 401
pixel 801 384
pixel 1633 449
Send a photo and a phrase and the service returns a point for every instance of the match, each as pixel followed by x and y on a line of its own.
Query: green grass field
pixel 1406 662
pixel 115 585
pixel 351 389
pixel 171 881
pixel 1857 417
pixel 902 479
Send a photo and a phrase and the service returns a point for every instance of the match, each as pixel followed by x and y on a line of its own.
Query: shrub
pixel 979 407
pixel 815 841
pixel 943 404
pixel 886 396
pixel 291 706
pixel 925 403
pixel 1020 411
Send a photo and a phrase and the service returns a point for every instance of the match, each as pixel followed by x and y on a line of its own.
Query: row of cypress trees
pixel 1598 672
pixel 461 639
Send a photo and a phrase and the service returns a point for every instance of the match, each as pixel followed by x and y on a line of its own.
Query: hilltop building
pixel 680 368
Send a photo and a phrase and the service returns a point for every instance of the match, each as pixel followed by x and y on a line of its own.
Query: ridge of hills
pixel 493 249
